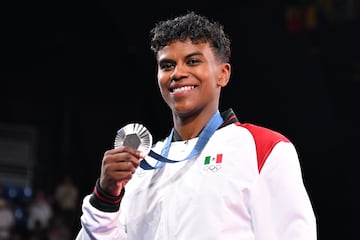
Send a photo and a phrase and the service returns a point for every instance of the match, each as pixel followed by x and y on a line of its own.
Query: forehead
pixel 182 49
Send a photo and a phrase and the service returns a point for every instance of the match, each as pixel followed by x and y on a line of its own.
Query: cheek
pixel 158 77
pixel 161 80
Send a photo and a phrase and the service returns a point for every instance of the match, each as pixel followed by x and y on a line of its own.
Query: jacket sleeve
pixel 280 204
pixel 101 218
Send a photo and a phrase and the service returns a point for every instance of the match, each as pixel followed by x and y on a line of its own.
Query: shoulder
pixel 265 140
pixel 263 134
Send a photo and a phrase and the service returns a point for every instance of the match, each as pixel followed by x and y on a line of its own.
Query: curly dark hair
pixel 195 27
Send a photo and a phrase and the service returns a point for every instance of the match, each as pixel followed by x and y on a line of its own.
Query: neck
pixel 190 127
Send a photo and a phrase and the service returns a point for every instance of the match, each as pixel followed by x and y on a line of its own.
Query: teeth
pixel 183 88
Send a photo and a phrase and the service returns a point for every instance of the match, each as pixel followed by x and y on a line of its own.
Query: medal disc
pixel 134 135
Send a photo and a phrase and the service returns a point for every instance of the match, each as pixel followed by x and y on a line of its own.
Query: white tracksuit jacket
pixel 245 185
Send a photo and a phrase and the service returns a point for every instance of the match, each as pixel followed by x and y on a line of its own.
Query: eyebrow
pixel 194 54
pixel 197 53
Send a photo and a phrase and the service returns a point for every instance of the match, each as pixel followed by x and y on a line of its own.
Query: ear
pixel 224 74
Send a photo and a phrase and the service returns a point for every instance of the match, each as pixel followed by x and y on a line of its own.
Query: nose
pixel 179 73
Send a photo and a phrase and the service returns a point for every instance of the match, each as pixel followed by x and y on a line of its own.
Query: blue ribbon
pixel 213 124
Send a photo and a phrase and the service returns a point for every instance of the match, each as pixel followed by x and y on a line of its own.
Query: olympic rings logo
pixel 212 168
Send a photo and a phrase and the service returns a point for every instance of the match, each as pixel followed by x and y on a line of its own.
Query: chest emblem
pixel 213 163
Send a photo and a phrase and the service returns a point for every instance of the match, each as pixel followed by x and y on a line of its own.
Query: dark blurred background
pixel 74 72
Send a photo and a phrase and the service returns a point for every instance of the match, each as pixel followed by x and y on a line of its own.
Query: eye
pixel 193 61
pixel 165 66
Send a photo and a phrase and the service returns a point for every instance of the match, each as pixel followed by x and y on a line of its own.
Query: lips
pixel 181 89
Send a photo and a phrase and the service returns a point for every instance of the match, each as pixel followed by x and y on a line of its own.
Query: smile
pixel 182 89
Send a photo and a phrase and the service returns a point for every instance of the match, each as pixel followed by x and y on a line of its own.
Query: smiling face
pixel 190 77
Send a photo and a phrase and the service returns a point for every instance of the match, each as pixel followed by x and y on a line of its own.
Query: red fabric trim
pixel 105 199
pixel 228 120
pixel 265 140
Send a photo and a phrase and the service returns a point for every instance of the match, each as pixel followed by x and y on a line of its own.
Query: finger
pixel 118 157
pixel 127 149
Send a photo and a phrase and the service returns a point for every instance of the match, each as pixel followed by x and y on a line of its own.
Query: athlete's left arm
pixel 280 205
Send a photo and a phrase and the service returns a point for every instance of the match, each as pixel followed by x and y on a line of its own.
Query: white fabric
pixel 225 201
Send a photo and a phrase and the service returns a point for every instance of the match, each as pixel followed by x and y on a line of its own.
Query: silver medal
pixel 134 135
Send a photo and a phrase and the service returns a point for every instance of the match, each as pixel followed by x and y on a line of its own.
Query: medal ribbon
pixel 213 124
